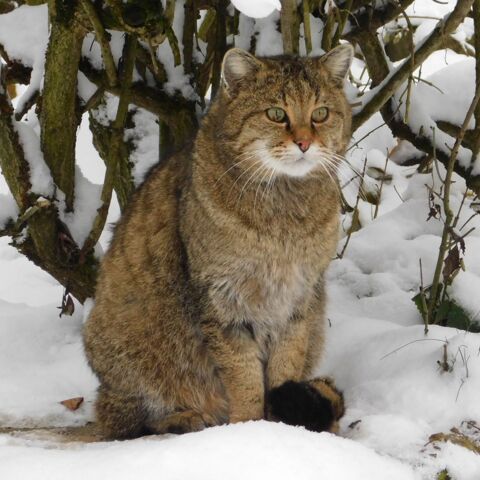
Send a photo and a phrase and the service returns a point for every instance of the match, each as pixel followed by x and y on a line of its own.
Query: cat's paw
pixel 316 405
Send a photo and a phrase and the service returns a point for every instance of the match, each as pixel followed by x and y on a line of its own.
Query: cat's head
pixel 286 113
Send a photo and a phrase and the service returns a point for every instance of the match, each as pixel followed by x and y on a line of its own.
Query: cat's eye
pixel 276 114
pixel 320 114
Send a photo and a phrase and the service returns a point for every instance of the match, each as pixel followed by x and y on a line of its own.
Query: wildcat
pixel 209 303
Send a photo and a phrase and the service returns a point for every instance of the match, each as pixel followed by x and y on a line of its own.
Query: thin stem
pixel 102 38
pixel 377 206
pixel 355 210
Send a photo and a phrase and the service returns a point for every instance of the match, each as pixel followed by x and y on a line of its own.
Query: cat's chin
pixel 295 168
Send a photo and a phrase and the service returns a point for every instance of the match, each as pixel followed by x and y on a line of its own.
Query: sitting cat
pixel 209 303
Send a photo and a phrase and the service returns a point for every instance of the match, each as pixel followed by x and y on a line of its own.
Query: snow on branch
pixel 14 166
pixel 378 96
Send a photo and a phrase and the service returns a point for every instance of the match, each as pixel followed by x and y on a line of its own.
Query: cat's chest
pixel 262 290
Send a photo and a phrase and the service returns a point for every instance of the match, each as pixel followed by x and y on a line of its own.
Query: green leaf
pixel 452 315
pixel 420 304
pixel 444 475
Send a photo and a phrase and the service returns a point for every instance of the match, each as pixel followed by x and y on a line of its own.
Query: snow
pixel 40 178
pixel 91 49
pixel 257 8
pixel 176 78
pixel 22 284
pixel 29 42
pixel 446 96
pixel 87 202
pixel 278 451
pixel 146 142
pixel 52 346
pixel 269 39
pixel 8 210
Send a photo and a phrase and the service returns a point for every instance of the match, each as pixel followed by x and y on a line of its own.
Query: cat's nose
pixel 303 145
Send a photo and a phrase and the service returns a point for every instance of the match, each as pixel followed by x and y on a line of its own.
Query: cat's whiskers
pixel 268 188
pixel 264 176
pixel 357 178
pixel 248 156
pixel 329 167
pixel 255 163
pixel 262 166
pixel 336 161
pixel 340 160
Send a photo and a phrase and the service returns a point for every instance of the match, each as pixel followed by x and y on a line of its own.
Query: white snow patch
pixel 87 202
pixel 53 348
pixel 269 39
pixel 8 209
pixel 257 8
pixel 145 139
pixel 40 177
pixel 24 33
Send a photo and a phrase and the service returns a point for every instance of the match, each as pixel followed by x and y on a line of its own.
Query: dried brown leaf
pixel 72 403
pixel 452 263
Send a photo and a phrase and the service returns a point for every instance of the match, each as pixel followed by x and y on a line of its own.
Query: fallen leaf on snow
pixel 72 403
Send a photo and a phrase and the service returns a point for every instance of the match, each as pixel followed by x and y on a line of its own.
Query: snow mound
pixel 251 450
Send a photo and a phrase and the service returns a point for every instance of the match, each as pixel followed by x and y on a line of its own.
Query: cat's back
pixel 143 267
pixel 145 236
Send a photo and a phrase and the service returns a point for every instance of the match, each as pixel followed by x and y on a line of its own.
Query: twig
pixel 476 39
pixel 289 26
pixel 115 145
pixel 27 104
pixel 423 298
pixel 468 220
pixel 412 68
pixel 94 100
pixel 343 14
pixel 103 40
pixel 382 181
pixel 457 217
pixel 412 342
pixel 355 211
pixel 307 31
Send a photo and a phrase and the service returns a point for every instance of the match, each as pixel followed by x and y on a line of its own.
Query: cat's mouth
pixel 291 166
pixel 288 160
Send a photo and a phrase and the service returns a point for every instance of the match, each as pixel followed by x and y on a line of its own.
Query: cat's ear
pixel 238 65
pixel 338 61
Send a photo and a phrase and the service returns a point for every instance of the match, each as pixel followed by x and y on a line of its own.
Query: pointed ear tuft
pixel 238 65
pixel 338 61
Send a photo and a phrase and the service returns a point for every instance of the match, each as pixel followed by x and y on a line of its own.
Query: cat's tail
pixel 315 404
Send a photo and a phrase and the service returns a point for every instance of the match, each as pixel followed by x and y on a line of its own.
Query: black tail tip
pixel 300 404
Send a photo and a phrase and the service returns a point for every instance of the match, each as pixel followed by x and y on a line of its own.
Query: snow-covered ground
pixel 401 386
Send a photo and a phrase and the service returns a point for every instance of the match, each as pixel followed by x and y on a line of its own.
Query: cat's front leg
pixel 240 368
pixel 287 355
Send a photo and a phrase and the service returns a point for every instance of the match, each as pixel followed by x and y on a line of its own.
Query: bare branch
pixel 59 115
pixel 116 141
pixel 176 112
pixel 289 26
pixel 372 19
pixel 15 167
pixel 102 38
